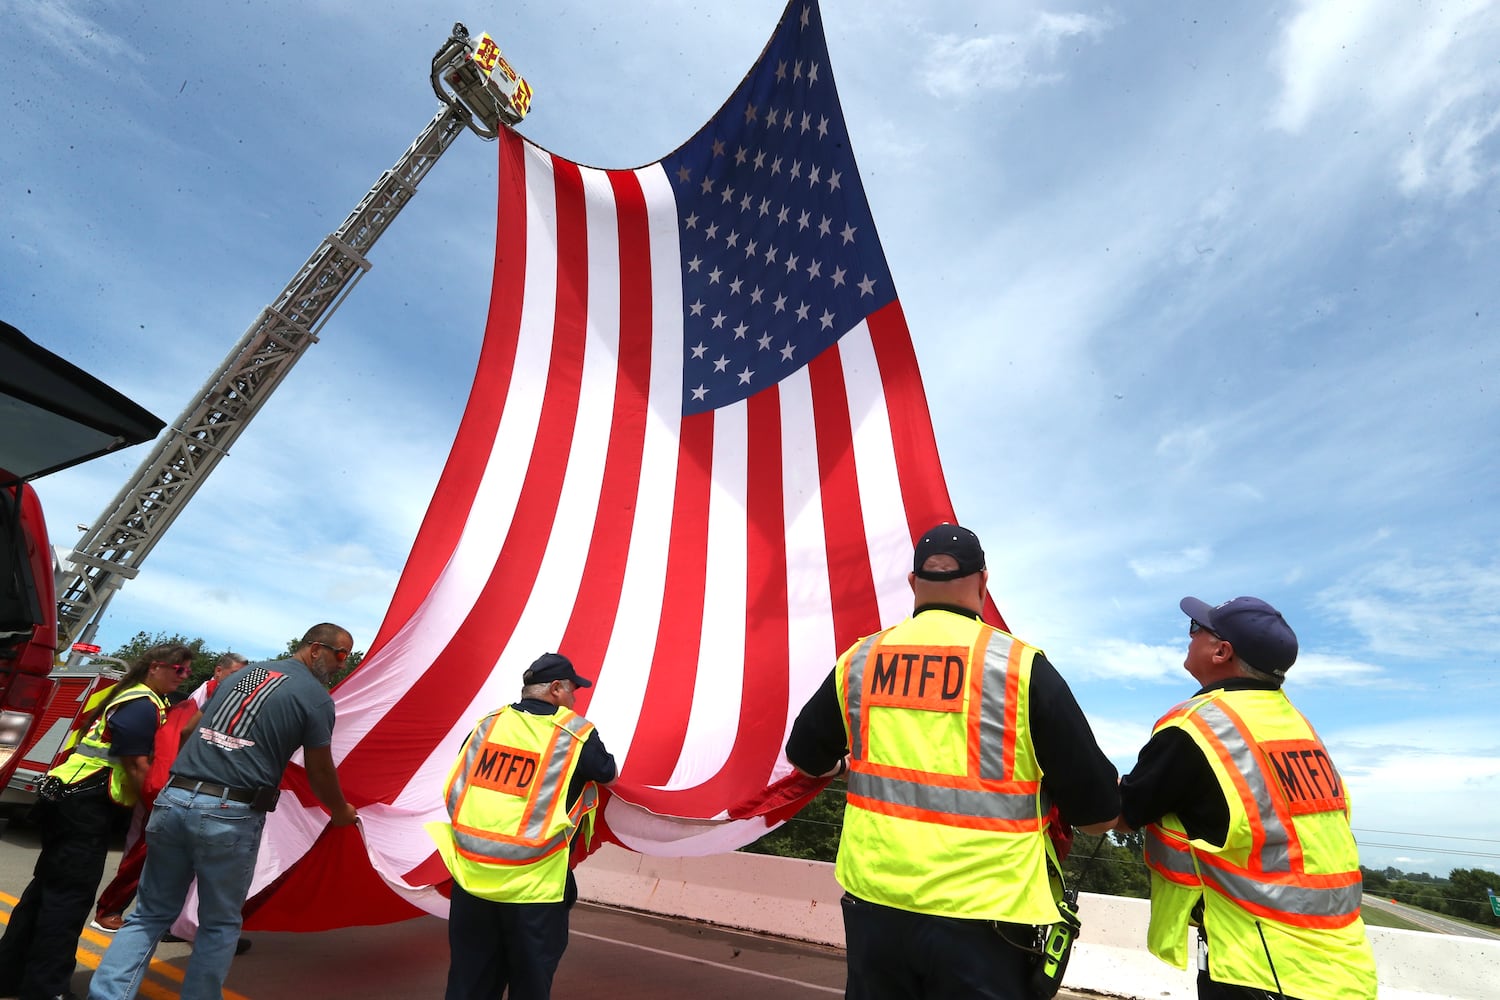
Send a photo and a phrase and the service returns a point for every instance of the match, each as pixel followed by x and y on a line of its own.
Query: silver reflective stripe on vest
pixel 1164 858
pixel 547 790
pixel 87 750
pixel 1274 855
pixel 854 692
pixel 953 801
pixel 1160 854
pixel 1299 899
pixel 939 799
pixel 992 711
pixel 1273 852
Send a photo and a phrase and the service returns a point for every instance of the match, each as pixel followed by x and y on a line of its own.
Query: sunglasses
pixel 181 669
pixel 1194 627
pixel 340 653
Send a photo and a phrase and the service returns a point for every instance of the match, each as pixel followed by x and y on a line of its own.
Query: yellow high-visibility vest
pixel 945 813
pixel 93 749
pixel 507 800
pixel 1281 897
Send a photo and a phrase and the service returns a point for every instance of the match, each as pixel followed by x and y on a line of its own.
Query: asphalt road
pixel 611 953
pixel 1426 919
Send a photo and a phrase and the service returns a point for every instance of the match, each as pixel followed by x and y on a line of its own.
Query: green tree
pixel 813 833
pixel 203 657
pixel 1112 865
pixel 1376 882
pixel 1469 895
pixel 1404 890
pixel 1429 898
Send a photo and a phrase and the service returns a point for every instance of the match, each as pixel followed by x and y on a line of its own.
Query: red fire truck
pixel 52 416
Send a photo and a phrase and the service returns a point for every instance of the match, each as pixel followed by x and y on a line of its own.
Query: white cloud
pixel 957 66
pixel 1453 159
pixel 1122 660
pixel 66 26
pixel 1417 79
pixel 1410 607
pixel 1331 669
pixel 1447 771
pixel 1171 563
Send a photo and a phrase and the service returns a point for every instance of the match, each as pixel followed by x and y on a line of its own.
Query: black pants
pixel 1210 990
pixel 495 945
pixel 38 949
pixel 899 955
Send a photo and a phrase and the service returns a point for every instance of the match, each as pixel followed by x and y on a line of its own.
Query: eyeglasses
pixel 181 669
pixel 341 654
pixel 1195 626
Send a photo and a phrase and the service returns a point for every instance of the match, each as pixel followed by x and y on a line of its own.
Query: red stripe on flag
pixel 445 693
pixel 449 509
pixel 764 694
pixel 924 492
pixel 588 633
pixel 668 700
pixel 851 585
pixel 764 691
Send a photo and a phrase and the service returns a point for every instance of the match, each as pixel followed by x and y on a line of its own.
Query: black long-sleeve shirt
pixel 1075 772
pixel 1171 775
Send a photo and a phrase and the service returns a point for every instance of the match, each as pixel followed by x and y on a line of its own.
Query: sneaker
pixel 108 922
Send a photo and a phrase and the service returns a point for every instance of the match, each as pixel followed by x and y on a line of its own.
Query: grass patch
pixel 1375 917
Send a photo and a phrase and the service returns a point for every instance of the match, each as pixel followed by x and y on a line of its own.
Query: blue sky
pixel 1205 301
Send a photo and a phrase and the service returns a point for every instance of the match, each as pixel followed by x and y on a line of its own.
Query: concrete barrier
pixel 800 900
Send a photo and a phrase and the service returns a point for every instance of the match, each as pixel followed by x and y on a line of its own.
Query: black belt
pixel 209 788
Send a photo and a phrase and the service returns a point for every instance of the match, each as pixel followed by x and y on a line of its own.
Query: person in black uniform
pixel 915 941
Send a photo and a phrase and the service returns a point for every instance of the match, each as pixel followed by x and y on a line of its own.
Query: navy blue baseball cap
pixel 1258 633
pixel 948 540
pixel 551 667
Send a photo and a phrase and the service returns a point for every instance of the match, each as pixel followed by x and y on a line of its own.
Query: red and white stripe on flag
pixel 695 458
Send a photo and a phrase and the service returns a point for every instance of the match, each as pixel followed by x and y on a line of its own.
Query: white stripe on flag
pixel 621 685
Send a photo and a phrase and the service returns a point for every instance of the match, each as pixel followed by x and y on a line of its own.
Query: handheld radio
pixel 1057 946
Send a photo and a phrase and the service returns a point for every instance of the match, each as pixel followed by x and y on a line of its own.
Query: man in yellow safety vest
pixel 521 790
pixel 959 739
pixel 76 807
pixel 1247 824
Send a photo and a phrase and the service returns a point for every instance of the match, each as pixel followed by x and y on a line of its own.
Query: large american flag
pixel 694 460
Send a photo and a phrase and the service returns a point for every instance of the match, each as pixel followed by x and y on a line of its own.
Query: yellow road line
pixel 92 946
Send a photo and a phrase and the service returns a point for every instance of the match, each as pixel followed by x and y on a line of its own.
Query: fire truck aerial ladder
pixel 479 91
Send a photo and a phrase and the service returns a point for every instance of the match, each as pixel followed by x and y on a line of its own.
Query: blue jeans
pixel 188 835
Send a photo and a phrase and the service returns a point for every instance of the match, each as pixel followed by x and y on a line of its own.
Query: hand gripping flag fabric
pixel 695 458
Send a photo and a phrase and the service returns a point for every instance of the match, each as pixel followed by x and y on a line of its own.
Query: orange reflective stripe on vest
pixel 988 797
pixel 1272 882
pixel 538 777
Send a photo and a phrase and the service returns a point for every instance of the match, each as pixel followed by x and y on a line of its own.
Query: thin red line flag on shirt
pixel 695 458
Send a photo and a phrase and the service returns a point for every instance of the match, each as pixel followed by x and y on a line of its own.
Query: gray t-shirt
pixel 254 723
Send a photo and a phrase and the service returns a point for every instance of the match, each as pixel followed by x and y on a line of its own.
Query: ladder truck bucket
pixel 473 78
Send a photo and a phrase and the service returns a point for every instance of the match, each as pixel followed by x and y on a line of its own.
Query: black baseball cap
pixel 551 667
pixel 1258 633
pixel 948 540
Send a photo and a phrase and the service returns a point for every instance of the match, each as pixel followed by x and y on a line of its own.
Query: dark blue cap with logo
pixel 1258 633
pixel 551 667
pixel 948 540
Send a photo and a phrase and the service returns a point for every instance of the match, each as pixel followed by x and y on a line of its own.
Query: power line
pixel 1438 836
pixel 1430 850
